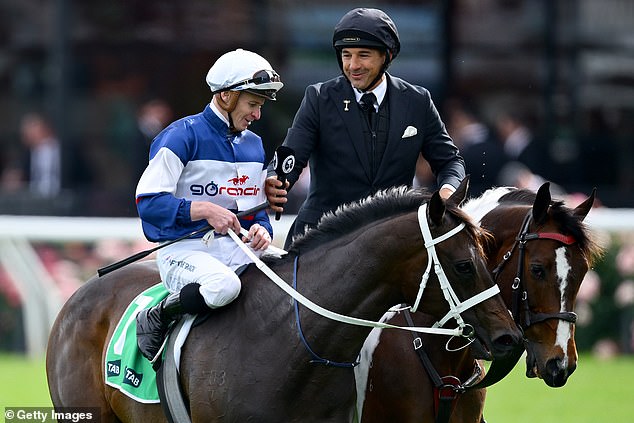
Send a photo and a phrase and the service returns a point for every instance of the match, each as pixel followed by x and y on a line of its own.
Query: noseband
pixel 456 307
pixel 522 314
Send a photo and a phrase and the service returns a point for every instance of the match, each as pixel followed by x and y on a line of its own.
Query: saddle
pixel 124 366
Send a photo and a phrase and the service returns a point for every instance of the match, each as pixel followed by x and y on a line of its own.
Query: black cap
pixel 363 27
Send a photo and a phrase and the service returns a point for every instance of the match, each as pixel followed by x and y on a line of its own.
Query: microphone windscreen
pixel 284 160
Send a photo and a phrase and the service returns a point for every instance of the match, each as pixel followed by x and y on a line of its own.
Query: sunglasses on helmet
pixel 260 77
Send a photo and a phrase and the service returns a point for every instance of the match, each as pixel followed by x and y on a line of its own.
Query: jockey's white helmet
pixel 243 70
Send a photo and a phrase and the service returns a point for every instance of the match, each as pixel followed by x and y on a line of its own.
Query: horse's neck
pixel 350 280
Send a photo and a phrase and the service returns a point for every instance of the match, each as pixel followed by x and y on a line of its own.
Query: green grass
pixel 23 382
pixel 599 391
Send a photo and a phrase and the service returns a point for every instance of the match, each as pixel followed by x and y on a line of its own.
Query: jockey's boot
pixel 152 325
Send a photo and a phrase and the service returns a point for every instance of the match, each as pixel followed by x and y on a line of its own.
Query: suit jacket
pixel 327 134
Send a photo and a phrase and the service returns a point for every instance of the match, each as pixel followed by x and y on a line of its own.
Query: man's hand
pixel 276 193
pixel 221 219
pixel 445 193
pixel 258 236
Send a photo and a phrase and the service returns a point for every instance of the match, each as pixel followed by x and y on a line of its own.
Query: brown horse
pixel 247 362
pixel 541 252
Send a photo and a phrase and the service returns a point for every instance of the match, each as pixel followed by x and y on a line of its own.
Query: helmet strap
pixel 228 104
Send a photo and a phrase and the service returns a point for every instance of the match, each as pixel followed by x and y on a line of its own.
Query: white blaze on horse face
pixel 564 329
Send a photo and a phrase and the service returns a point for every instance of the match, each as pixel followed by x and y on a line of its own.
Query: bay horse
pixel 540 254
pixel 248 361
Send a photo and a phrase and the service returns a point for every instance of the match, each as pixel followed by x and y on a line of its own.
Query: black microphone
pixel 284 162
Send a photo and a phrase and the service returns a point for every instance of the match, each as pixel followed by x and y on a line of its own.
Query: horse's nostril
pixel 506 341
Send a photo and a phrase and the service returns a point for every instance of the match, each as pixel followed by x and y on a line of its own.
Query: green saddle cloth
pixel 125 367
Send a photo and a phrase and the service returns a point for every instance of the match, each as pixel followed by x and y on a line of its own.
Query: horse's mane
pixel 567 221
pixel 386 203
pixel 519 196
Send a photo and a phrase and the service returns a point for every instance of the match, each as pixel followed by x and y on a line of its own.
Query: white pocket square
pixel 410 131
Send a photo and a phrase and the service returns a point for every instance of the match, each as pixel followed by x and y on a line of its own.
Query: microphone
pixel 284 162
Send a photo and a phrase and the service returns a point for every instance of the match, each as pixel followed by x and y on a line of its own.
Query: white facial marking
pixel 564 329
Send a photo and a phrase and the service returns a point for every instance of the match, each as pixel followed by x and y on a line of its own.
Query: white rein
pixel 455 306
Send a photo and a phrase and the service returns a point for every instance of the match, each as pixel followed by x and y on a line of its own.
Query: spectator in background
pixel 152 118
pixel 516 174
pixel 526 164
pixel 481 151
pixel 43 167
pixel 518 141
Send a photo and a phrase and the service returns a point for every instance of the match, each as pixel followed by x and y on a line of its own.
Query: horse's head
pixel 542 252
pixel 402 244
pixel 460 262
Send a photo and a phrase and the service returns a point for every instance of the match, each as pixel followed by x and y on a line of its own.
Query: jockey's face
pixel 362 65
pixel 248 109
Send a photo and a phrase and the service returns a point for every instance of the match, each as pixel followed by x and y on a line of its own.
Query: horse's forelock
pixel 565 219
pixel 570 224
pixel 480 236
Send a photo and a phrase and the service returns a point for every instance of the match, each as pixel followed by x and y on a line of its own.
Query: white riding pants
pixel 212 266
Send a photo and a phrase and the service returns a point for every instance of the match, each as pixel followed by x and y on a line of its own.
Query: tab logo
pixel 113 368
pixel 132 378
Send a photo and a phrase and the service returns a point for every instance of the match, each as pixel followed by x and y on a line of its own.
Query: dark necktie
pixel 367 105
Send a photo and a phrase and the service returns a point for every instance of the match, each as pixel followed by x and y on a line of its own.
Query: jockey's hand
pixel 221 219
pixel 258 236
pixel 276 193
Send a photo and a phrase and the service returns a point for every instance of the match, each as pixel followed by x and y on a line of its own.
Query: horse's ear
pixel 460 194
pixel 436 209
pixel 542 202
pixel 582 210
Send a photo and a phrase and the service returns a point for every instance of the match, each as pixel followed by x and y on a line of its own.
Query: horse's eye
pixel 464 267
pixel 538 271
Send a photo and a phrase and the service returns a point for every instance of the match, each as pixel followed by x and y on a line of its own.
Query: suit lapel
pixel 345 104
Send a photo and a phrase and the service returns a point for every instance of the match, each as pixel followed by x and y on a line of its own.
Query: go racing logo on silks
pixel 233 188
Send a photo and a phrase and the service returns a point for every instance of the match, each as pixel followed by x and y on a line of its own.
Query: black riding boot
pixel 152 325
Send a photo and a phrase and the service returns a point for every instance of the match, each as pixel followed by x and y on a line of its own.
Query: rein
pixel 321 310
pixel 455 306
pixel 520 309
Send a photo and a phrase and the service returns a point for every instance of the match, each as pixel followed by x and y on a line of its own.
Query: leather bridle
pixel 522 314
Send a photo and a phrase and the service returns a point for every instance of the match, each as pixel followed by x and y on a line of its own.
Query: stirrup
pixel 156 361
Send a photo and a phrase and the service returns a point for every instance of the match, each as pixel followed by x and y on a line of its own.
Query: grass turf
pixel 599 391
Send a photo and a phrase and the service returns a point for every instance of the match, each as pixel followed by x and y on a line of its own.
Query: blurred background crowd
pixel 529 90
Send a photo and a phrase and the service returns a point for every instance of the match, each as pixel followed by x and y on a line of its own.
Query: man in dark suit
pixel 364 130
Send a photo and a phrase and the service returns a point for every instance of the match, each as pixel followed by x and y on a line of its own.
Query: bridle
pixel 522 313
pixel 448 388
pixel 456 307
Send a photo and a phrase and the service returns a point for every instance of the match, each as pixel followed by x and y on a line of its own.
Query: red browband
pixel 565 239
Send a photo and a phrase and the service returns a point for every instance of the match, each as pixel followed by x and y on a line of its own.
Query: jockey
pixel 202 170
